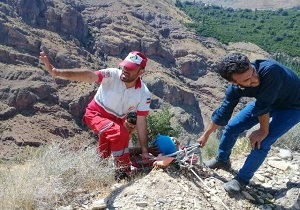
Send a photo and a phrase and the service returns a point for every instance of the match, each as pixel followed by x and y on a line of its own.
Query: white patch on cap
pixel 134 58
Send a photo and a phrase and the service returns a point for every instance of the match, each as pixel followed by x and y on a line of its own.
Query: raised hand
pixel 49 67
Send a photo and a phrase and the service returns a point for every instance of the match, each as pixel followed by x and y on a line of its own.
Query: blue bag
pixel 165 144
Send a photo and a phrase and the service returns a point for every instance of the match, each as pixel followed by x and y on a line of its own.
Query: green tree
pixel 159 123
pixel 178 4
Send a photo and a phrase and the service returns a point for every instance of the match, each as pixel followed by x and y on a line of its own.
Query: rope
pixel 219 199
pixel 190 152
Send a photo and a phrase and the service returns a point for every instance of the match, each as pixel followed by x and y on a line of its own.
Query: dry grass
pixel 56 176
pixel 52 176
pixel 290 140
pixel 211 147
pixel 241 146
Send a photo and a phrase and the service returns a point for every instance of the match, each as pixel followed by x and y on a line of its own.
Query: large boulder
pixel 192 66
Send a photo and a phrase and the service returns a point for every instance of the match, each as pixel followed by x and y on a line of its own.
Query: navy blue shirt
pixel 279 88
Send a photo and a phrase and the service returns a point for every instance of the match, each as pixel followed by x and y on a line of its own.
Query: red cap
pixel 133 60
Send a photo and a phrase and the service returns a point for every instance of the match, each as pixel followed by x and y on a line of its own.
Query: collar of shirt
pixel 138 83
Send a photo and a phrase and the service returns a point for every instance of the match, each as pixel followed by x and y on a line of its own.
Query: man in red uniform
pixel 121 91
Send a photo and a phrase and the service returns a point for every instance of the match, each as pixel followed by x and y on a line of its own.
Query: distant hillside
pixel 275 31
pixel 253 4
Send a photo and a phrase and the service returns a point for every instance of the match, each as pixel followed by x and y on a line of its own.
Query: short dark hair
pixel 233 63
pixel 131 118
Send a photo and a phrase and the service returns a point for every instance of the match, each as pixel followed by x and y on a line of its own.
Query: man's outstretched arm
pixel 75 74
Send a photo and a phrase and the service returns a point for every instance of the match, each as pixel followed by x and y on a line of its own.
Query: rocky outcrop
pixel 76 105
pixel 17 20
pixel 61 18
pixel 23 98
pixel 175 95
pixel 180 97
pixel 6 111
pixel 192 66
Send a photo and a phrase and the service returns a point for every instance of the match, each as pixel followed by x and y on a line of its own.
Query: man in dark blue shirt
pixel 276 108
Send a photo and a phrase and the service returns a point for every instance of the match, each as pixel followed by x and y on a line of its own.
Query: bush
pixel 159 123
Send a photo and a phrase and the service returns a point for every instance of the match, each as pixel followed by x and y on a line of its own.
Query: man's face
pixel 250 78
pixel 130 75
